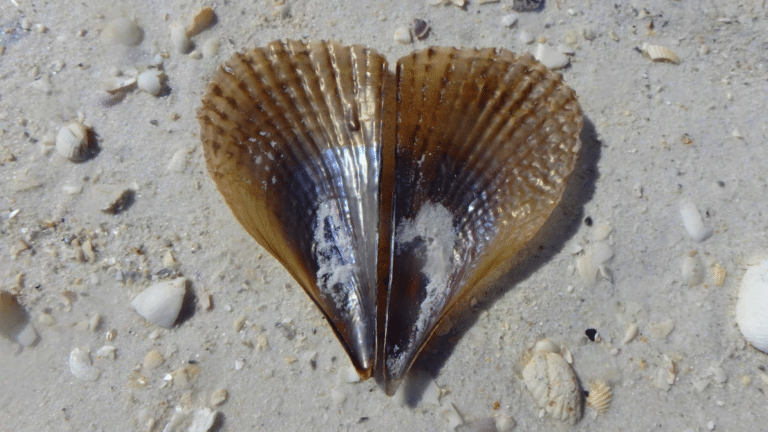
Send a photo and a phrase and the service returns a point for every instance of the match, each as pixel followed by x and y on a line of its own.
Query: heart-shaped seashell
pixel 388 197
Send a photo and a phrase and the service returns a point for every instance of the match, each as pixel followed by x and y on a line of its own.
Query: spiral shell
pixel 388 197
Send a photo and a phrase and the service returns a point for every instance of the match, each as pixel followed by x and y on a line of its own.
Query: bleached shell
pixel 160 303
pixel 630 334
pixel 73 142
pixel 659 53
pixel 179 39
pixel 152 360
pixel 554 386
pixel 123 31
pixel 150 82
pixel 349 174
pixel 599 398
pixel 14 321
pixel 81 367
pixel 752 306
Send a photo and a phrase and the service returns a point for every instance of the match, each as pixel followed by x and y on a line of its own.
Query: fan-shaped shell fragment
pixel 554 385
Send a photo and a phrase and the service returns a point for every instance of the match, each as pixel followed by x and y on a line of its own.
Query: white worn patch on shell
pixel 554 386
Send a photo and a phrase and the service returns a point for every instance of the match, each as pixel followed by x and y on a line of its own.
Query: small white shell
pixel 553 384
pixel 752 306
pixel 73 142
pixel 150 82
pixel 81 367
pixel 693 223
pixel 659 53
pixel 599 398
pixel 179 39
pixel 630 334
pixel 402 35
pixel 160 303
pixel 718 274
pixel 509 20
pixel 550 57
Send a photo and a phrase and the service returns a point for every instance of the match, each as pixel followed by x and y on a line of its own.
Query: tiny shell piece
pixel 659 53
pixel 630 334
pixel 554 385
pixel 526 37
pixel 219 397
pixel 160 303
pixel 599 398
pixel 752 306
pixel 149 81
pixel 550 57
pixel 420 29
pixel 81 367
pixel 693 223
pixel 201 21
pixel 509 20
pixel 718 274
pixel 402 35
pixel 73 142
pixel 179 39
pixel 210 47
pixel 152 360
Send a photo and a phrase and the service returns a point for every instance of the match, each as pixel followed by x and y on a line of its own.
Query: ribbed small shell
pixel 660 53
pixel 73 142
pixel 599 398
pixel 152 360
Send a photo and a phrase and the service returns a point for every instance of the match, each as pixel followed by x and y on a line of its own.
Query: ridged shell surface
pixel 388 197
pixel 292 138
pixel 485 140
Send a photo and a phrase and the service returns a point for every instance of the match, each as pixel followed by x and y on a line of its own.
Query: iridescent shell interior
pixel 388 197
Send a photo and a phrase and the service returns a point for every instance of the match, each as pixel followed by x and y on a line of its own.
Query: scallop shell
pixel 553 384
pixel 388 197
pixel 599 398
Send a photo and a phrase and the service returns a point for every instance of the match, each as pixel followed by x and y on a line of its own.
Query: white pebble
pixel 149 81
pixel 239 364
pixel 210 47
pixel 509 20
pixel 123 31
pixel 550 57
pixel 179 39
pixel 81 367
pixel 526 37
pixel 693 223
pixel 160 303
pixel 106 352
pixel 752 306
pixel 403 35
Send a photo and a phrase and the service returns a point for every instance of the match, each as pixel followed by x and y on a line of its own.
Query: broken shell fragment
pixel 659 53
pixel 201 21
pixel 553 384
pixel 161 303
pixel 81 367
pixel 389 197
pixel 74 142
pixel 752 306
pixel 150 82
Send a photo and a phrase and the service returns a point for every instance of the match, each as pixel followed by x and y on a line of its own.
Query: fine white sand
pixel 656 135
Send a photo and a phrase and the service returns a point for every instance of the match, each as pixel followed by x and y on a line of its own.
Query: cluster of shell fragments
pixel 388 196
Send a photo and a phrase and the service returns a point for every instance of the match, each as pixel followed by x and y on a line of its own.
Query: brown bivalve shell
pixel 388 197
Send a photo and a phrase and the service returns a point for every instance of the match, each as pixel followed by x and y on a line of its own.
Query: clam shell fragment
pixel 388 197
